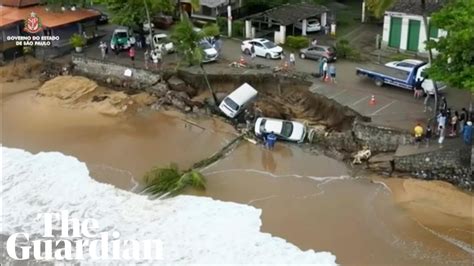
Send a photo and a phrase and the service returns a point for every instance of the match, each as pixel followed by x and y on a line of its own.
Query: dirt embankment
pixel 81 92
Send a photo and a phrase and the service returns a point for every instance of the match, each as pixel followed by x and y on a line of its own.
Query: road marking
pixel 337 94
pixel 355 103
pixel 383 107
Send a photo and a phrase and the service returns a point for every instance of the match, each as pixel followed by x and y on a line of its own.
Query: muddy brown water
pixel 307 199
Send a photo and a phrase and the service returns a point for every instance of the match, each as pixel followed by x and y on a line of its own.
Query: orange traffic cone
pixel 372 100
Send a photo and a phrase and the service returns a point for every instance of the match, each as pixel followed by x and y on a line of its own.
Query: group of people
pixel 448 123
pixel 326 71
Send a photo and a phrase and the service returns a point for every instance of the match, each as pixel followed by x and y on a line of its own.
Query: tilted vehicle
pixel 286 130
pixel 235 102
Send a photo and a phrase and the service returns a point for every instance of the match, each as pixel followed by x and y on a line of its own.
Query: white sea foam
pixel 192 229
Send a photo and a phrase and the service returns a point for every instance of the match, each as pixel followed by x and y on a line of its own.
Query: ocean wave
pixel 192 229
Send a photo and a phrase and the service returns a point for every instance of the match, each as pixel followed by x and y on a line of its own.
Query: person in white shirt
pixel 325 70
pixel 292 59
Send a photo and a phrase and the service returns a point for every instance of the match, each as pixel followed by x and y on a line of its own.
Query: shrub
pixel 345 51
pixel 211 29
pixel 222 23
pixel 297 42
pixel 238 28
pixel 399 57
pixel 77 40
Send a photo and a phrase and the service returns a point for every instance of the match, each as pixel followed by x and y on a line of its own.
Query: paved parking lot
pixel 393 106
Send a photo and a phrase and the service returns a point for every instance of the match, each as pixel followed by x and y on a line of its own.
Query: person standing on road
pixel 146 57
pixel 292 59
pixel 325 70
pixel 332 72
pixel 462 119
pixel 131 54
pixel 428 135
pixel 314 42
pixel 441 121
pixel 252 52
pixel 444 104
pixel 454 124
pixel 418 89
pixel 103 49
pixel 418 134
pixel 154 58
pixel 467 134
pixel 441 136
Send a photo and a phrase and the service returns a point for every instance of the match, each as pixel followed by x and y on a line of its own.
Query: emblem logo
pixel 32 24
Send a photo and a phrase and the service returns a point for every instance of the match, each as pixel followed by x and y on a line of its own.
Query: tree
pixel 170 180
pixel 133 13
pixel 455 62
pixel 187 40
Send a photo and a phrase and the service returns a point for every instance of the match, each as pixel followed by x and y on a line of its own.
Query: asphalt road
pixel 394 107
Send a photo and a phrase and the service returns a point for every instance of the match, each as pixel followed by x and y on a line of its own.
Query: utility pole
pixel 152 45
pixel 229 20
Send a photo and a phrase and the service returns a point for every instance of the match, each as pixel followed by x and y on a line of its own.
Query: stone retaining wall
pixel 113 73
pixel 379 138
pixel 452 165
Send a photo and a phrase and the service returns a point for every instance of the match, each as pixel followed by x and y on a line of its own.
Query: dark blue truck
pixel 382 74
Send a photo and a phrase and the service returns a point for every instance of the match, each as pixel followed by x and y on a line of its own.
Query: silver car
pixel 317 52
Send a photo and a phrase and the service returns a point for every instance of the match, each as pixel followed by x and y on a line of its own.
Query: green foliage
pixel 160 181
pixel 211 29
pixel 187 40
pixel 238 28
pixel 132 12
pixel 378 7
pixel 222 23
pixel 77 40
pixel 345 51
pixel 455 62
pixel 297 42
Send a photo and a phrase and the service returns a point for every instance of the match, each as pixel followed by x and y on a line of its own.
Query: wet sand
pixel 307 199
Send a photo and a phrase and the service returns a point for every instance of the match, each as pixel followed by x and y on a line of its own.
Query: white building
pixel 403 26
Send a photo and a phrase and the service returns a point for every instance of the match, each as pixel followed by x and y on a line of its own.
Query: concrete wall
pixel 104 70
pixel 380 139
pixel 451 165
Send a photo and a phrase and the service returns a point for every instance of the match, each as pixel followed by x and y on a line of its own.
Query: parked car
pixel 263 48
pixel 407 64
pixel 236 102
pixel 312 25
pixel 287 130
pixel 162 42
pixel 162 21
pixel 210 53
pixel 319 51
pixel 121 39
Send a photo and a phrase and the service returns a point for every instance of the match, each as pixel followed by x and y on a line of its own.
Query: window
pixel 233 105
pixel 287 129
pixel 433 32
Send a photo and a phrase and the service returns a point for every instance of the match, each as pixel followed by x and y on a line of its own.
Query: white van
pixel 235 102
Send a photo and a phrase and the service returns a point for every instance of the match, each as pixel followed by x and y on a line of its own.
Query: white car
pixel 263 48
pixel 287 130
pixel 407 64
pixel 210 53
pixel 162 42
pixel 312 25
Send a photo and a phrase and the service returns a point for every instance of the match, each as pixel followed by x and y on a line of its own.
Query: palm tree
pixel 187 41
pixel 170 180
pixel 378 8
